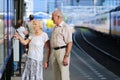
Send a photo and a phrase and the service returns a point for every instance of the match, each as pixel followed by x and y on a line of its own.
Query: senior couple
pixel 61 43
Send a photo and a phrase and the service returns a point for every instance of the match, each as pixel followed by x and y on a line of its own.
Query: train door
pixel 118 23
pixel 113 22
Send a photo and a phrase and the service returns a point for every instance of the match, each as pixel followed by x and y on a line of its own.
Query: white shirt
pixel 36 46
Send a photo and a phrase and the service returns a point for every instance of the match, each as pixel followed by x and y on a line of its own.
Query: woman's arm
pixel 24 42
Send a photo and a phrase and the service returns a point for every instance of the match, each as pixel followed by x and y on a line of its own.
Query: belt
pixel 56 48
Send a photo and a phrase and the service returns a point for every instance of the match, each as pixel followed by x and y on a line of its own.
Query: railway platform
pixel 82 67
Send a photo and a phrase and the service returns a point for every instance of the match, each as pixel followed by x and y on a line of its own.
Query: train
pixel 10 11
pixel 6 22
pixel 106 23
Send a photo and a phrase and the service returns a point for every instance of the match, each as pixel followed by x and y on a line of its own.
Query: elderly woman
pixel 33 67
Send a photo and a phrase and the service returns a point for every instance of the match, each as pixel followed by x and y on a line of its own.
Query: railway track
pixel 90 43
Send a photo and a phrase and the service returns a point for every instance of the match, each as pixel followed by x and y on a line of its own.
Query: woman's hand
pixel 16 36
pixel 25 32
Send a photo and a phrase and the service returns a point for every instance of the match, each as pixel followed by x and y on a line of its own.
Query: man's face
pixel 55 18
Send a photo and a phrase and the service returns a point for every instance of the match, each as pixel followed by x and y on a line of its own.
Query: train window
pixel 118 21
pixel 114 20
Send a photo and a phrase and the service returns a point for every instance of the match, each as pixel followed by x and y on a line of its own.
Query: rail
pixel 106 53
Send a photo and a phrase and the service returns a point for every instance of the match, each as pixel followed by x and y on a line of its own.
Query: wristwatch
pixel 66 55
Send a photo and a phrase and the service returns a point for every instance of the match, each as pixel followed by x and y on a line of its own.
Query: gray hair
pixel 58 12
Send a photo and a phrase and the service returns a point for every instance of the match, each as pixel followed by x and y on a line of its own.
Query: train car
pixel 102 23
pixel 6 38
pixel 115 22
pixel 99 23
pixel 106 23
pixel 10 12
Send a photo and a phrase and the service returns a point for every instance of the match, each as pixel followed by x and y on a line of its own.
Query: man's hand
pixel 46 65
pixel 65 61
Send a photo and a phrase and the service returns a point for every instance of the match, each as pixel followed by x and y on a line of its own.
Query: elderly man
pixel 61 42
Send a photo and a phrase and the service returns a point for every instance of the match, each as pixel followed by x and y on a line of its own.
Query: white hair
pixel 58 12
pixel 40 23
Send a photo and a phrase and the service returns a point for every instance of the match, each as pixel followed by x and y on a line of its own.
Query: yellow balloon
pixel 49 23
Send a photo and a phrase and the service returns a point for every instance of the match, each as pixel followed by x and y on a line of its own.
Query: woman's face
pixel 36 25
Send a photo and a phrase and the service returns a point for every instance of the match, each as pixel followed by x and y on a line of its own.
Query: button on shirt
pixel 61 35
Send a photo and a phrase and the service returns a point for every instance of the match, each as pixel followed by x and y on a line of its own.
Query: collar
pixel 61 24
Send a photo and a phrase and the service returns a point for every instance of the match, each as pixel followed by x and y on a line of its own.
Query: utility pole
pixel 95 1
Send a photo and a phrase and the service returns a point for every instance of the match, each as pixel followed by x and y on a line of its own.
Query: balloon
pixel 49 23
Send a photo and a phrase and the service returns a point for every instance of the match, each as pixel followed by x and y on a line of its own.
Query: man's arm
pixel 68 49
pixel 66 56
